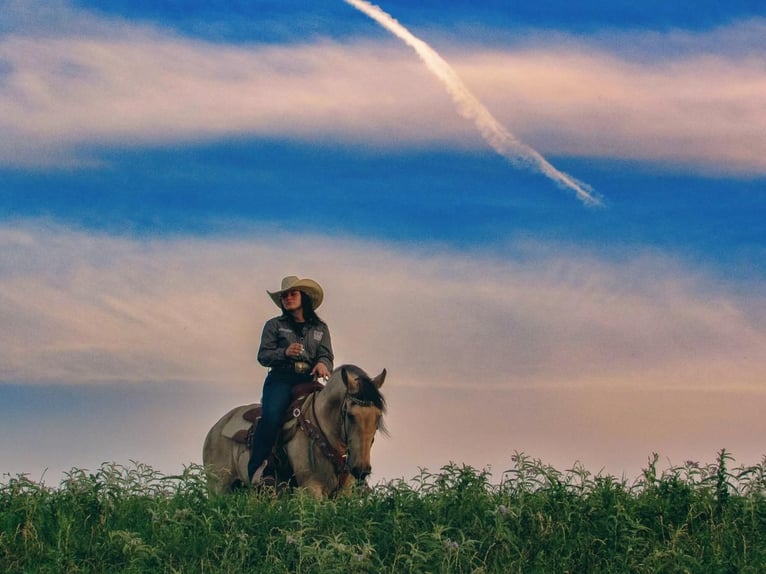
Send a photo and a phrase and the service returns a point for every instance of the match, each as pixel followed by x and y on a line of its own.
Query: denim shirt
pixel 280 332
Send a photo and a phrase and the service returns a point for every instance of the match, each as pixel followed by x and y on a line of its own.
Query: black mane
pixel 367 392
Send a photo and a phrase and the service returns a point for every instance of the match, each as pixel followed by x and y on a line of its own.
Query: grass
pixel 693 518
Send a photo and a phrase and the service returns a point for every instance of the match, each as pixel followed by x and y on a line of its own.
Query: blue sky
pixel 163 164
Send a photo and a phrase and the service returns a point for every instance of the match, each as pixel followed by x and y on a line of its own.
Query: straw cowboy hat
pixel 308 286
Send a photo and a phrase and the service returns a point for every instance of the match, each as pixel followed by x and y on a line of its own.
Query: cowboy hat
pixel 308 286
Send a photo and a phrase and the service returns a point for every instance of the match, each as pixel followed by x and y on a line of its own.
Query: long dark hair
pixel 309 315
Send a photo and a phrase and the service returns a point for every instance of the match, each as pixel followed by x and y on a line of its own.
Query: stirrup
pixel 257 479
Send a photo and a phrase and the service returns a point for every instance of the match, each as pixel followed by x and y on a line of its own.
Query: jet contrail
pixel 493 132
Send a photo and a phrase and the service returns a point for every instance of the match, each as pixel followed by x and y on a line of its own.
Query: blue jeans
pixel 277 395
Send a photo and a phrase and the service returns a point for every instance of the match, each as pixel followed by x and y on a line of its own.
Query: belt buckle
pixel 301 367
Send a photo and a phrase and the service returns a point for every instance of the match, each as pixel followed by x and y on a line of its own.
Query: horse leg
pixel 312 472
pixel 222 457
pixel 316 488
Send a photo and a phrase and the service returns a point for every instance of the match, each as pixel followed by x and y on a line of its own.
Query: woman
pixel 296 348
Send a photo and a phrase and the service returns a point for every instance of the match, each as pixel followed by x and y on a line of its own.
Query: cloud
pixel 562 353
pixel 694 102
pixel 82 308
pixel 700 111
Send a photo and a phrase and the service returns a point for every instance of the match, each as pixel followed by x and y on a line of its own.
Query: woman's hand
pixel 320 371
pixel 294 350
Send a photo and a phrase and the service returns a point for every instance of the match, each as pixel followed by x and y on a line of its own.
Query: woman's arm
pixel 269 353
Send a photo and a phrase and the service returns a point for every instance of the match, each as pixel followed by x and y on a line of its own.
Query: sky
pixel 163 164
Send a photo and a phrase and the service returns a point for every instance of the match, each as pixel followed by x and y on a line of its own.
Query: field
pixel 695 518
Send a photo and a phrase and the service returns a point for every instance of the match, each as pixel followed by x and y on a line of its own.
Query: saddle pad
pixel 237 421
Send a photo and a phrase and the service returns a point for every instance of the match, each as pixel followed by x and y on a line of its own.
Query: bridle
pixel 337 455
pixel 344 417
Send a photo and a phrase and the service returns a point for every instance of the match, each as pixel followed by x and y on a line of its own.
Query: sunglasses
pixel 290 293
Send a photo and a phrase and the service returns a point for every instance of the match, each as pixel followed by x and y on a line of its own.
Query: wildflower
pixel 451 544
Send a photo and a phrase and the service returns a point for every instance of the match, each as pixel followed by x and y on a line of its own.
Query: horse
pixel 324 447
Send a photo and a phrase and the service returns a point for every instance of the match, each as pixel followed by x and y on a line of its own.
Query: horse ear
pixel 378 381
pixel 352 384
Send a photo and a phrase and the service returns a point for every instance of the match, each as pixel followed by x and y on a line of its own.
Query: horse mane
pixel 367 392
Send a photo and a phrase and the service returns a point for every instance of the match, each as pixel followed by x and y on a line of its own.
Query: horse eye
pixel 351 418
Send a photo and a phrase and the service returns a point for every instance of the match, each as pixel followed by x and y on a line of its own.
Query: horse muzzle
pixel 360 473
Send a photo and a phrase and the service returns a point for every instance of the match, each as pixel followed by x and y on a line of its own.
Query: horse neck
pixel 328 405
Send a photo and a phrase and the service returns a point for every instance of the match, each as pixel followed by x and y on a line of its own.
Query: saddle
pixel 253 415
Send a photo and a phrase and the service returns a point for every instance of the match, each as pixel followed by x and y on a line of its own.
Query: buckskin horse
pixel 324 445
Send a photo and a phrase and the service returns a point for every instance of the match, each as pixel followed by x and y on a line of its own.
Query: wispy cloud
pixel 82 308
pixel 558 352
pixel 694 102
pixel 699 111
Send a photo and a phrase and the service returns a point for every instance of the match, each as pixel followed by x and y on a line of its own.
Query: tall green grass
pixel 693 518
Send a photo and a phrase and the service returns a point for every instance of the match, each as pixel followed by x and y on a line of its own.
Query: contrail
pixel 493 132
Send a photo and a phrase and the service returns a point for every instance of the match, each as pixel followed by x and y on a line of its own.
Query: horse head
pixel 362 416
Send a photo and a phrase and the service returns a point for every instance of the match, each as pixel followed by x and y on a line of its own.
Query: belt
pixel 297 367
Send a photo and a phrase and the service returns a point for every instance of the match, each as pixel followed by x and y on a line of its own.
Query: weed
pixel 691 518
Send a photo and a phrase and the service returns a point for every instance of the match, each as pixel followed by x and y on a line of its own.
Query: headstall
pixel 337 456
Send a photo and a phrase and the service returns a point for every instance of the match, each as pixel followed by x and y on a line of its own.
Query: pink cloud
pixel 699 109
